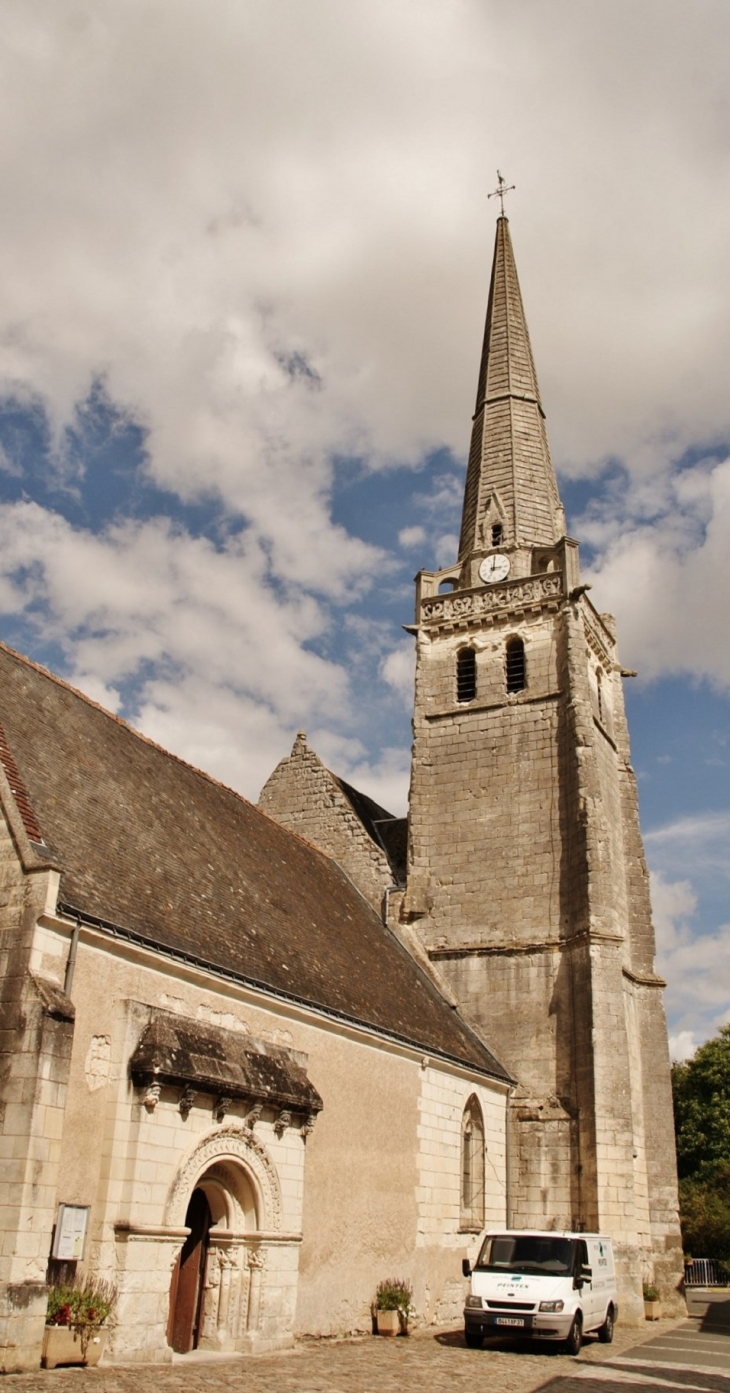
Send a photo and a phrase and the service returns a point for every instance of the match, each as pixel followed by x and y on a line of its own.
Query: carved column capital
pixel 221 1107
pixel 152 1096
pixel 254 1115
pixel 187 1098
pixel 282 1122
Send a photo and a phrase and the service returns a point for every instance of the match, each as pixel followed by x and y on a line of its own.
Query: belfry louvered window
pixel 515 665
pixel 466 674
pixel 472 1166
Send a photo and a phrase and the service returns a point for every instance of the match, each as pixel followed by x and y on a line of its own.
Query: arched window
pixel 497 534
pixel 515 666
pixel 466 674
pixel 472 1166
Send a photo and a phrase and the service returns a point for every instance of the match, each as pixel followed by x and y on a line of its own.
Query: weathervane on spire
pixel 500 191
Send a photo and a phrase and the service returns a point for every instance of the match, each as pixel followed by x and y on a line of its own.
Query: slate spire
pixel 510 480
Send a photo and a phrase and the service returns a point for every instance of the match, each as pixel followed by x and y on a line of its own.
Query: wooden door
pixel 186 1288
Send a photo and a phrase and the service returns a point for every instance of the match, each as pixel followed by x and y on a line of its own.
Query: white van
pixel 549 1286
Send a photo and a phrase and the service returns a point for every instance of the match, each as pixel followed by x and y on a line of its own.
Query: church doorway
pixel 186 1291
pixel 215 1291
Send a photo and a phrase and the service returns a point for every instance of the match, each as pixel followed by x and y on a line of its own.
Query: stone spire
pixel 510 480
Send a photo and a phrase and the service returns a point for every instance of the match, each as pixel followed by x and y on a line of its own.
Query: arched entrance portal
pixel 186 1292
pixel 214 1291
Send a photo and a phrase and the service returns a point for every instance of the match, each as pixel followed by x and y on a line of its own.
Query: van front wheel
pixel 575 1338
pixel 605 1331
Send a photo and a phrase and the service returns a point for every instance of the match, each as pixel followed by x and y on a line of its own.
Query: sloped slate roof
pixel 153 846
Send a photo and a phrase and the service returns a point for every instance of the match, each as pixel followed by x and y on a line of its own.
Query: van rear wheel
pixel 575 1338
pixel 605 1331
pixel 473 1336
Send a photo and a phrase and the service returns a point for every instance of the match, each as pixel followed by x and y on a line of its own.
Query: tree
pixel 701 1090
pixel 705 1215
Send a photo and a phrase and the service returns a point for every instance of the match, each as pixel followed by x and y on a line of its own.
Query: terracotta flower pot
pixel 62 1344
pixel 388 1322
pixel 652 1310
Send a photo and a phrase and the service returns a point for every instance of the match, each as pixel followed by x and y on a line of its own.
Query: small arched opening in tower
pixel 466 674
pixel 515 665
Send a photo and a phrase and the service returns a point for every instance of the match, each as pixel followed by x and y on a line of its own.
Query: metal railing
pixel 705 1272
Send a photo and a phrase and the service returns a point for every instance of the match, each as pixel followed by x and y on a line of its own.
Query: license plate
pixel 509 1320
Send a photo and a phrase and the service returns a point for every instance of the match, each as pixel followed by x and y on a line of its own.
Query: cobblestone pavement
pixel 425 1363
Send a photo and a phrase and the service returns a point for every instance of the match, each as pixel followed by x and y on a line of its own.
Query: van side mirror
pixel 586 1272
pixel 466 1267
pixel 577 1283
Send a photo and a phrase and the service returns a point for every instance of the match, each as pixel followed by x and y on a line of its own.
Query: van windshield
pixel 527 1253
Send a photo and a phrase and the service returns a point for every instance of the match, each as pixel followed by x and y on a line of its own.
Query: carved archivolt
pixel 238 1145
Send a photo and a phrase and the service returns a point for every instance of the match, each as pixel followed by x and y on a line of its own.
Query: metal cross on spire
pixel 500 191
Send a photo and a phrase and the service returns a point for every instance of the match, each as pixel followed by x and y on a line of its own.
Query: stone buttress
pixel 36 1036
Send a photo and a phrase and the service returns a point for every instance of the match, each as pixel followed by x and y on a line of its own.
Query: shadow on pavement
pixel 572 1384
pixel 454 1339
pixel 717 1317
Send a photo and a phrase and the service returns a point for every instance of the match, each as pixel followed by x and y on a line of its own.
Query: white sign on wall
pixel 70 1236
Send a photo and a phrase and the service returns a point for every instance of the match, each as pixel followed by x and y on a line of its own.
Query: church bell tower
pixel 526 875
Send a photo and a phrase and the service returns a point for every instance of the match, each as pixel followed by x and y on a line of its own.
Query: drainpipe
pixel 508 1162
pixel 71 960
pixel 386 900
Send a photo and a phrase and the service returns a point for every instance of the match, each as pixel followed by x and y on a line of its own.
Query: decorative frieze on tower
pixel 526 874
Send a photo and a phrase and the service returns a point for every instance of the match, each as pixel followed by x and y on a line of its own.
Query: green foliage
pixel 701 1090
pixel 651 1293
pixel 704 1202
pixel 81 1303
pixel 394 1295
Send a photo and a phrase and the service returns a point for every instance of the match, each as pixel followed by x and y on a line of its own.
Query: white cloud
pixel 664 571
pixel 412 536
pixel 695 965
pixel 230 678
pixel 682 1046
pixel 398 670
pixel 265 228
pixel 198 202
pixel 705 836
pixel 447 550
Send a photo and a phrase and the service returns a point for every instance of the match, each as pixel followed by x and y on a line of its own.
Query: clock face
pixel 494 568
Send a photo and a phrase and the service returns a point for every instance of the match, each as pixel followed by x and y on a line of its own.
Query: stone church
pixel 255 1060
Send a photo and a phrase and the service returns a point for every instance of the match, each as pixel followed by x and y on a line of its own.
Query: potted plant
pixel 652 1304
pixel 393 1306
pixel 75 1315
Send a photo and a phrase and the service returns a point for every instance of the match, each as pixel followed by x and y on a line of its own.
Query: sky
pixel 245 254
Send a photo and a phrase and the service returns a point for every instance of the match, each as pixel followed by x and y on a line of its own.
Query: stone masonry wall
pixel 484 776
pixel 372 1191
pixel 528 889
pixel 302 795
